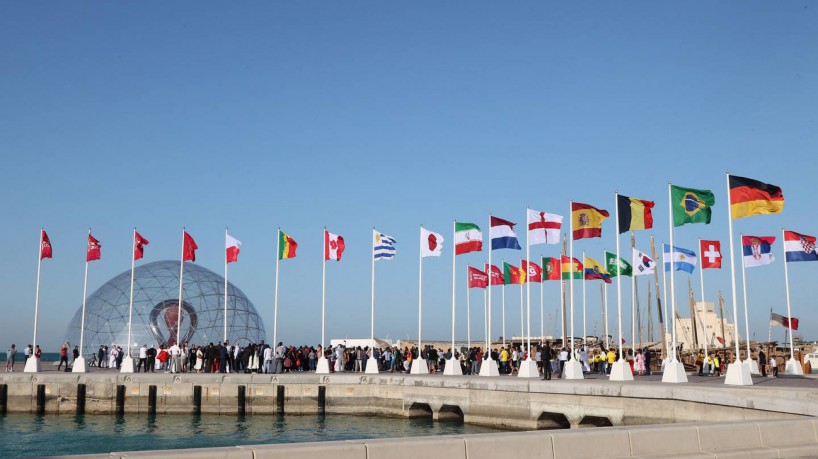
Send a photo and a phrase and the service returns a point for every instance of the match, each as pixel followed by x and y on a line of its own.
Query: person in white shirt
pixel 175 357
pixel 143 359
pixel 279 356
pixel 268 359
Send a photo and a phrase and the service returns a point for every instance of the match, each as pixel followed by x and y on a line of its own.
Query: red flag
pixel 623 341
pixel 793 325
pixel 45 245
pixel 533 271
pixel 720 339
pixel 94 249
pixel 552 268
pixel 333 246
pixel 496 275
pixel 711 254
pixel 138 245
pixel 477 278
pixel 189 250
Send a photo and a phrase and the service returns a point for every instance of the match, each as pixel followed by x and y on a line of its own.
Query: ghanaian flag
pixel 587 220
pixel 750 197
pixel 634 214
pixel 286 246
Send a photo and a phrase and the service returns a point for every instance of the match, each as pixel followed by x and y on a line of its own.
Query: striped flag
pixel 383 246
pixel 502 235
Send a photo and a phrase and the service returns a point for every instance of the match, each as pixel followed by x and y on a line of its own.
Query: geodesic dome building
pixel 156 310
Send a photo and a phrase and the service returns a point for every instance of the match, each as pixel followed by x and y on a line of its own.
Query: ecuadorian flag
pixel 595 270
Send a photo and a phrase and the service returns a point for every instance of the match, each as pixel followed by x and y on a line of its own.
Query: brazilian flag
pixel 691 205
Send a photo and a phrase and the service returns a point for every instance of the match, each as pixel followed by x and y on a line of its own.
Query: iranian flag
pixel 467 238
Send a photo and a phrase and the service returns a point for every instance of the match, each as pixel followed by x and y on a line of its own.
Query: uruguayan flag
pixel 683 259
pixel 383 246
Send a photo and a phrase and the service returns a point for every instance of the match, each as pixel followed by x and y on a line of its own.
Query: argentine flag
pixel 383 246
pixel 683 259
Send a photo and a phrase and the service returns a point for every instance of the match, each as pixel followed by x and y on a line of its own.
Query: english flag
pixel 543 228
pixel 189 248
pixel 45 245
pixel 232 248
pixel 139 244
pixel 94 249
pixel 333 246
pixel 711 254
pixel 431 243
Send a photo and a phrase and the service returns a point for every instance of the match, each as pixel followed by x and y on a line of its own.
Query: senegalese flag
pixel 568 267
pixel 634 214
pixel 691 205
pixel 595 270
pixel 614 268
pixel 551 268
pixel 513 274
pixel 587 220
pixel 286 246
pixel 750 197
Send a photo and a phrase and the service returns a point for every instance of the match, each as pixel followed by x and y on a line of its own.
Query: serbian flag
pixel 513 274
pixel 45 245
pixel 543 228
pixel 799 247
pixel 477 278
pixel 333 246
pixel 94 249
pixel 496 275
pixel 750 197
pixel 757 250
pixel 786 322
pixel 551 266
pixel 711 254
pixel 587 220
pixel 139 244
pixel 502 235
pixel 533 271
pixel 189 248
pixel 232 248
pixel 568 268
pixel 286 246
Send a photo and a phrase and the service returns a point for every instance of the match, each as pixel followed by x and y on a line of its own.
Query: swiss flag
pixel 710 254
pixel 189 248
pixel 45 245
pixel 139 244
pixel 94 249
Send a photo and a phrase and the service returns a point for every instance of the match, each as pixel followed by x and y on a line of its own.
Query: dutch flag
pixel 502 235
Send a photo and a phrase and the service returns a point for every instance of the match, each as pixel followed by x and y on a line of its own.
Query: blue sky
pixel 266 114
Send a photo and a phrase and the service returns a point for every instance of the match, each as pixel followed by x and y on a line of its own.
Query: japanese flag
pixel 431 243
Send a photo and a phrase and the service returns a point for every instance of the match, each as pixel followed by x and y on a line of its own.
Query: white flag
pixel 642 264
pixel 543 228
pixel 431 243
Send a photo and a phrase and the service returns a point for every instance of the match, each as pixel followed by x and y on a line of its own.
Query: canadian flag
pixel 431 243
pixel 94 249
pixel 711 254
pixel 232 248
pixel 333 246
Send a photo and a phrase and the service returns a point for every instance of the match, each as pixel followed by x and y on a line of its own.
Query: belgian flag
pixel 750 197
pixel 634 214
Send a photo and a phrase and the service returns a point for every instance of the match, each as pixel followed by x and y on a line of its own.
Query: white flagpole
pixel 542 307
pixel 674 370
pixel 528 283
pixel 81 368
pixel 793 366
pixel 485 322
pixel 584 282
pixel 372 323
pixel 704 304
pixel 468 310
pixel 571 277
pixel 181 292
pixel 562 304
pixel 605 300
pixel 420 290
pixel 749 360
pixel 522 314
pixel 323 290
pixel 633 304
pixel 487 354
pixel 503 290
pixel 275 301
pixel 34 367
pixel 665 302
pixel 225 287
pixel 618 282
pixel 127 361
pixel 454 301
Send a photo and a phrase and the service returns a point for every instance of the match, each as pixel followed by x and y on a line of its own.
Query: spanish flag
pixel 286 246
pixel 750 197
pixel 568 268
pixel 587 220
pixel 513 274
pixel 634 214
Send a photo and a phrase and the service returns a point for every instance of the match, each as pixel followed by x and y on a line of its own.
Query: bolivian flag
pixel 634 214
pixel 750 197
pixel 568 267
pixel 587 220
pixel 286 246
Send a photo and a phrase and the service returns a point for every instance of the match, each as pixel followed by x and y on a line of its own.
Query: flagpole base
pixel 572 370
pixel 738 374
pixel 621 371
pixel 794 368
pixel 489 368
pixel 127 365
pixel 322 368
pixel 419 367
pixel 32 365
pixel 753 366
pixel 674 372
pixel 372 367
pixel 528 369
pixel 79 365
pixel 452 368
pixel 664 363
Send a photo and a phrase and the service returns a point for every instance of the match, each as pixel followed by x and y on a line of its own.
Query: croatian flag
pixel 799 247
pixel 683 259
pixel 502 235
pixel 757 250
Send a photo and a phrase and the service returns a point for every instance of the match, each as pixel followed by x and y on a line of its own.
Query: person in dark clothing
pixel 648 357
pixel 151 359
pixel 762 362
pixel 545 358
pixel 223 357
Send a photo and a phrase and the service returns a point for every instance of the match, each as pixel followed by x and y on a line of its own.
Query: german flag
pixel 634 214
pixel 750 197
pixel 286 246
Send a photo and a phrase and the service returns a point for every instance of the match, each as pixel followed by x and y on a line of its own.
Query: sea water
pixel 50 435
